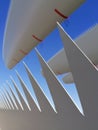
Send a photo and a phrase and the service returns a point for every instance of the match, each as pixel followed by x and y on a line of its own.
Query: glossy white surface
pixel 32 17
pixel 88 42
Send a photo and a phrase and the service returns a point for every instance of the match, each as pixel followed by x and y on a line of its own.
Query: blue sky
pixel 82 19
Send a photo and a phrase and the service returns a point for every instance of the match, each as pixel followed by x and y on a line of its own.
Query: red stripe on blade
pixel 36 38
pixel 59 13
pixel 23 52
pixel 15 60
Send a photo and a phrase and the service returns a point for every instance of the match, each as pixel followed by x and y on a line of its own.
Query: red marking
pixel 23 52
pixel 58 73
pixel 36 38
pixel 59 13
pixel 15 60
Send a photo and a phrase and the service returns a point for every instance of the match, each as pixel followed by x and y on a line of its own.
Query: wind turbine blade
pixel 11 99
pixel 12 96
pixel 23 104
pixel 31 102
pixel 85 76
pixel 8 99
pixel 42 99
pixel 66 109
